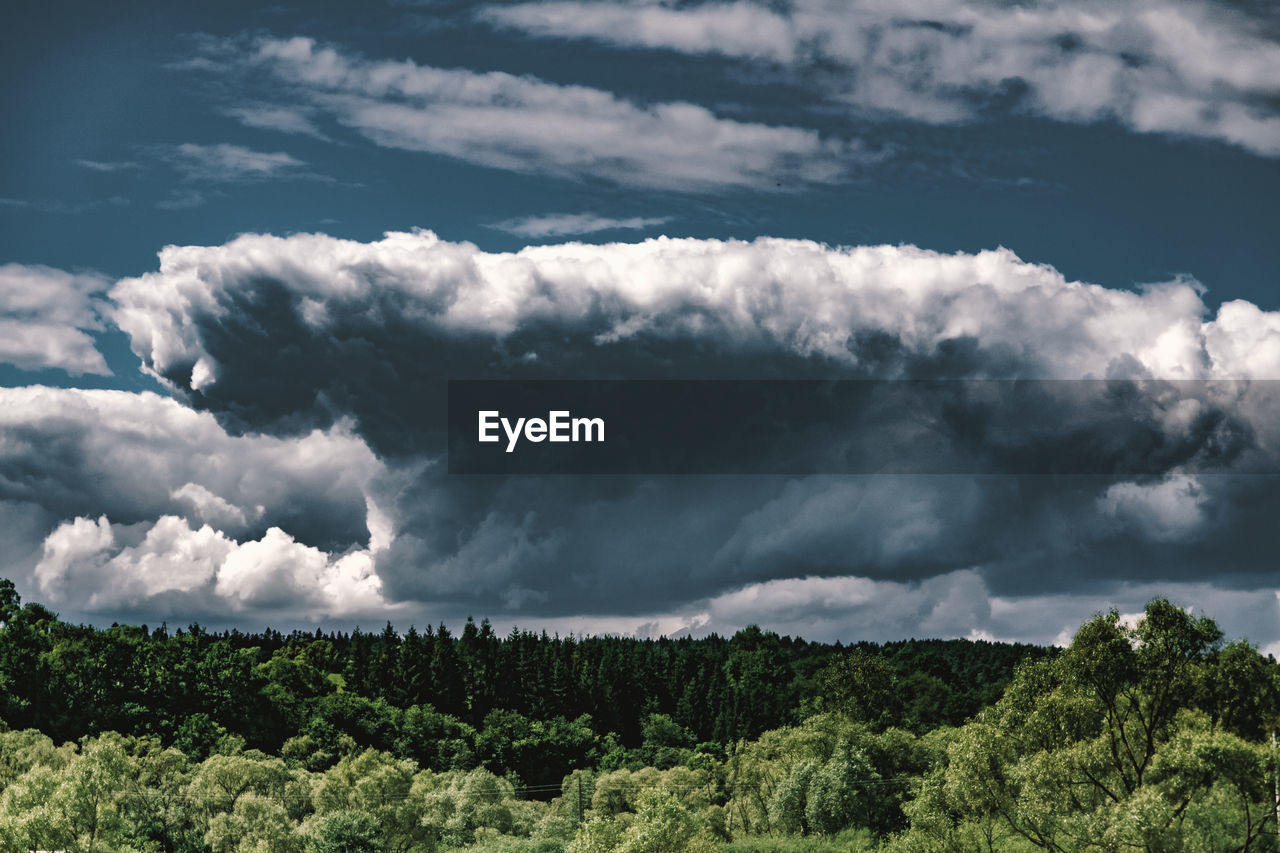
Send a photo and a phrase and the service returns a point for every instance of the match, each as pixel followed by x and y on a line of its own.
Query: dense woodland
pixel 1148 737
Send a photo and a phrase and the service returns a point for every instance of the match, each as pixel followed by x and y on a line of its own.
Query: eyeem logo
pixel 559 426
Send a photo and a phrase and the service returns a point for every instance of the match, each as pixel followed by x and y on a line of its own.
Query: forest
pixel 1152 734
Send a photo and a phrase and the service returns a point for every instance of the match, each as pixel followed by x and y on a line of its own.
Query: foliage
pixel 1149 735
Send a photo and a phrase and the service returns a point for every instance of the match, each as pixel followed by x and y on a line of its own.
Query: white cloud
pixel 794 295
pixel 85 566
pixel 224 162
pixel 731 29
pixel 163 473
pixel 45 315
pixel 198 516
pixel 560 224
pixel 286 119
pixel 1196 68
pixel 109 166
pixel 213 509
pixel 524 124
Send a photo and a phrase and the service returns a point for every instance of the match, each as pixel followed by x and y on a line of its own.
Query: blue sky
pixel 1090 188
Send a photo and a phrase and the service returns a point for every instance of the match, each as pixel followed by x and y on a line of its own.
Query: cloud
pixel 86 566
pixel 46 315
pixel 561 224
pixel 1201 69
pixel 286 336
pixel 286 119
pixel 740 30
pixel 136 457
pixel 109 166
pixel 73 208
pixel 182 200
pixel 867 311
pixel 224 162
pixel 1170 511
pixel 139 504
pixel 958 604
pixel 524 124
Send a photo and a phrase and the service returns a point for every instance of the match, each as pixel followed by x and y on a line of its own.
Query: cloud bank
pixel 276 335
pixel 300 468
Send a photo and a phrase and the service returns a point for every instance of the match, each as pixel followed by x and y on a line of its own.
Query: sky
pixel 243 247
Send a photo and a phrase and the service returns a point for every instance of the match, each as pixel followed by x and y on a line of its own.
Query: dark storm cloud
pixel 136 457
pixel 287 335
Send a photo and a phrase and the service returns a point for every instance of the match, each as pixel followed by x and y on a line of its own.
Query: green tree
pixel 1105 748
pixel 345 832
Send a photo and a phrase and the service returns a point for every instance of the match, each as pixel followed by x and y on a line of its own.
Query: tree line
pixel 1152 735
pixel 384 689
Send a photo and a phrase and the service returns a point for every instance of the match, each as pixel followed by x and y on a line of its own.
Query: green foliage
pixel 848 841
pixel 1107 747
pixel 1146 736
pixel 376 785
pixel 661 824
pixel 345 832
pixel 255 824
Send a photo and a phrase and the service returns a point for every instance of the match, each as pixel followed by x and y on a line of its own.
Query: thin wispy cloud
pixel 187 199
pixel 54 205
pixel 524 124
pixel 230 163
pixel 285 119
pixel 109 166
pixel 564 224
pixel 1200 69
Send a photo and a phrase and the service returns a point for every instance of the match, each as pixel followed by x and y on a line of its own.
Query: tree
pixel 345 832
pixel 256 824
pixel 1107 746
pixel 376 785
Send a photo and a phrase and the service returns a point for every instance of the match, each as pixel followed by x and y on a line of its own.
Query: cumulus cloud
pixel 561 224
pixel 524 124
pixel 137 503
pixel 882 311
pixel 1170 510
pixel 137 457
pixel 1202 69
pixel 275 335
pixel 90 565
pixel 46 315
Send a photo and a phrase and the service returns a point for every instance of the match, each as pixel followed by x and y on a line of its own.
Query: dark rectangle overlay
pixel 1023 427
